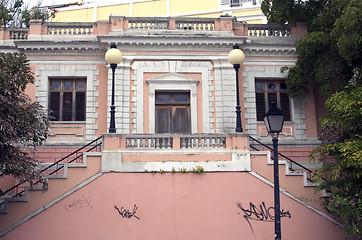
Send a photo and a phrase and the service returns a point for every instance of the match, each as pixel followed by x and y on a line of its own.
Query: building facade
pixel 175 168
pixel 242 10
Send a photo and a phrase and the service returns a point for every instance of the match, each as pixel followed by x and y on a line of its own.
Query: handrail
pixel 280 154
pixel 54 164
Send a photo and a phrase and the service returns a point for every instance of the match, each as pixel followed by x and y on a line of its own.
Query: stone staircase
pixel 34 200
pixel 294 182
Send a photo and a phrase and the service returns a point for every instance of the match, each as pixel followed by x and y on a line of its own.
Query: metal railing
pixel 56 167
pixel 290 166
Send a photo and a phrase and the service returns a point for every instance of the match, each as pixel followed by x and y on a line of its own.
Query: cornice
pixel 263 47
pixel 175 42
pixel 59 47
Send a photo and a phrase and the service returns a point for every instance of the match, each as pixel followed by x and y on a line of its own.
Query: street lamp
pixel 236 58
pixel 274 120
pixel 113 57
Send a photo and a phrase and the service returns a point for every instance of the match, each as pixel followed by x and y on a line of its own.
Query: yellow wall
pixel 247 12
pixel 150 9
pixel 257 21
pixel 187 6
pixel 207 15
pixel 80 15
pixel 105 12
pixel 86 15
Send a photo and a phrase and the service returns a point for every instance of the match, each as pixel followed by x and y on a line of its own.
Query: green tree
pixel 23 123
pixel 342 132
pixel 290 11
pixel 331 49
pixel 9 9
pixel 14 13
pixel 330 58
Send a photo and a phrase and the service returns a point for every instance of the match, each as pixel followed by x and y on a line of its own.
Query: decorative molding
pixel 69 46
pixel 172 77
pixel 173 82
pixel 121 95
pixel 252 72
pixel 174 68
pixel 81 128
pixel 89 72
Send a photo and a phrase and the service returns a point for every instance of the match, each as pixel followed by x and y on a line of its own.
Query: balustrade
pixel 161 23
pixel 201 24
pixel 70 29
pixel 148 141
pixel 166 141
pixel 203 141
pixel 19 34
pixel 146 23
pixel 268 30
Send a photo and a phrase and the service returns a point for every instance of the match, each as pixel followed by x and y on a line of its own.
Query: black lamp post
pixel 236 58
pixel 113 57
pixel 274 120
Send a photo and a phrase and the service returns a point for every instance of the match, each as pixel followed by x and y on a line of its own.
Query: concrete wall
pixel 175 206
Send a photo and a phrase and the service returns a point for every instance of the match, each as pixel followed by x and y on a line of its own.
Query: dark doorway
pixel 173 112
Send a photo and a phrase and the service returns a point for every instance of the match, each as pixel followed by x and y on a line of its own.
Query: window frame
pixel 278 91
pixel 231 4
pixel 61 90
pixel 172 104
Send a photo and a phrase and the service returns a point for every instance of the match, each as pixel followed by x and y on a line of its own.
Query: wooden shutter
pixel 163 119
pixel 172 112
pixel 181 121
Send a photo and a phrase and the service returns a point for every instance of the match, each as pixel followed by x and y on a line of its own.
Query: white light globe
pixel 236 56
pixel 113 56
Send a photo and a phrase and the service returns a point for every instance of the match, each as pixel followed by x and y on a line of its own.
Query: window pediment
pixel 172 78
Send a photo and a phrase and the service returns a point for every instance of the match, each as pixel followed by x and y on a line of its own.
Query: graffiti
pixel 79 203
pixel 261 213
pixel 286 214
pixel 125 213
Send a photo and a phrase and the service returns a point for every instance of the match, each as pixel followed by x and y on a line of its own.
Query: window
pixel 238 3
pixel 268 91
pixel 173 112
pixel 67 99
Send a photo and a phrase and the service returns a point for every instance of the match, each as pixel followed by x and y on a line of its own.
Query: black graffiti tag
pixel 261 213
pixel 79 203
pixel 125 213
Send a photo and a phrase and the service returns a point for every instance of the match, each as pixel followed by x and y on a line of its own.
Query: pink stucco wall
pixel 173 206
